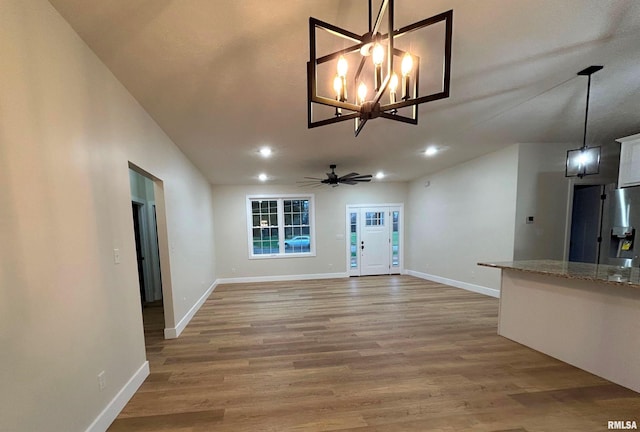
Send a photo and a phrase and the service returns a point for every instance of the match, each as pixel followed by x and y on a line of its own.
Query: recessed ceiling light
pixel 431 151
pixel 265 151
pixel 262 177
pixel 380 175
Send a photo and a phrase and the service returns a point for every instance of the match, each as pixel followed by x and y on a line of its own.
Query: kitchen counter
pixel 583 314
pixel 613 275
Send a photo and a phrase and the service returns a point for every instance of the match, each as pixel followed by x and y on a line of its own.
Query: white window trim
pixel 280 198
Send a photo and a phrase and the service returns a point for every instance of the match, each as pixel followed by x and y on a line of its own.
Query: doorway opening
pixel 586 223
pixel 375 239
pixel 148 221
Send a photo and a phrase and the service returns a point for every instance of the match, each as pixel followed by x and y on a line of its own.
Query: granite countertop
pixel 574 270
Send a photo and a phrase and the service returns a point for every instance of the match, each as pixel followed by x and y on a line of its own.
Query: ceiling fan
pixel 334 180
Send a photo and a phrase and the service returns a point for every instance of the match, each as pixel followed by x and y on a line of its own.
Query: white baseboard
pixel 250 279
pixel 174 332
pixel 109 414
pixel 458 284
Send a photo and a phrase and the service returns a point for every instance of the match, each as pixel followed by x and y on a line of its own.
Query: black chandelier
pixel 380 46
pixel 585 160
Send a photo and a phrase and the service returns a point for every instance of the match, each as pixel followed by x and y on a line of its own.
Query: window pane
pixel 374 218
pixel 353 243
pixel 395 240
pixel 297 238
pixel 265 239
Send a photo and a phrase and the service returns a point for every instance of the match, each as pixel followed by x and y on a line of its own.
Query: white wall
pixel 68 129
pixel 465 215
pixel 546 194
pixel 231 228
pixel 542 193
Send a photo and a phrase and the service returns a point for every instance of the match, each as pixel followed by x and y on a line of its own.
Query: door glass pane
pixel 395 240
pixel 374 218
pixel 353 243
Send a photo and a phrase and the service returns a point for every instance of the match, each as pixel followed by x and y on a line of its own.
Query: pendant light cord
pixel 586 115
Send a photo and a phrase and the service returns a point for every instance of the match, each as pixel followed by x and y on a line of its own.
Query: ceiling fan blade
pixel 353 174
pixel 362 177
pixel 334 180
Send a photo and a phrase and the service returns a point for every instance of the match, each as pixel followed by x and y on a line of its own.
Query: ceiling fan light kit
pixel 378 73
pixel 584 160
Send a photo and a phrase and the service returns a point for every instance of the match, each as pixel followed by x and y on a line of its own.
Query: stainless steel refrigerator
pixel 620 226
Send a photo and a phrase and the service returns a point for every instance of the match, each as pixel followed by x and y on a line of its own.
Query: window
pixel 374 218
pixel 280 226
pixel 353 240
pixel 395 239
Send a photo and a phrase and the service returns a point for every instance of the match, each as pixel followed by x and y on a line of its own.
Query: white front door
pixel 375 239
pixel 373 244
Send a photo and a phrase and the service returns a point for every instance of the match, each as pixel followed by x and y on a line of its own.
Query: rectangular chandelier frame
pixel 372 109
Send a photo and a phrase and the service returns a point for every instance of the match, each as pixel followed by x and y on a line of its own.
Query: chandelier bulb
pixel 362 92
pixel 342 76
pixel 342 67
pixel 407 64
pixel 377 54
pixel 337 86
pixel 393 87
pixel 393 82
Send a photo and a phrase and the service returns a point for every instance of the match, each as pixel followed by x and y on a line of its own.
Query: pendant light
pixel 584 160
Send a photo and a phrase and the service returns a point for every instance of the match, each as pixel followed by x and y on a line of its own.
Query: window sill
pixel 280 256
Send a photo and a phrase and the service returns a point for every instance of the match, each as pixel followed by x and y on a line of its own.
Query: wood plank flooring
pixel 369 354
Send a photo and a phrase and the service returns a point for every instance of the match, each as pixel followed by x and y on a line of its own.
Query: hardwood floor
pixel 361 354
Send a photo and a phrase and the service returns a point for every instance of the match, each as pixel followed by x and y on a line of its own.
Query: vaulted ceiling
pixel 224 78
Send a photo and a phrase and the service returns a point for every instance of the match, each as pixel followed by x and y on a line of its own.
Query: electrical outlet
pixel 116 256
pixel 102 381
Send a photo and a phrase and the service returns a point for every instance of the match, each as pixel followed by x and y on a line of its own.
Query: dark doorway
pixel 586 222
pixel 136 208
pixel 145 226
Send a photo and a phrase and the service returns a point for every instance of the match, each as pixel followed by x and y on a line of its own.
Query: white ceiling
pixel 223 78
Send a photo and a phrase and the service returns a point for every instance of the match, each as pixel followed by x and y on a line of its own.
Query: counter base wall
pixel 589 324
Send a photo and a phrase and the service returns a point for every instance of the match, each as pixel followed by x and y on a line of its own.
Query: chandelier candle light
pixel 382 48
